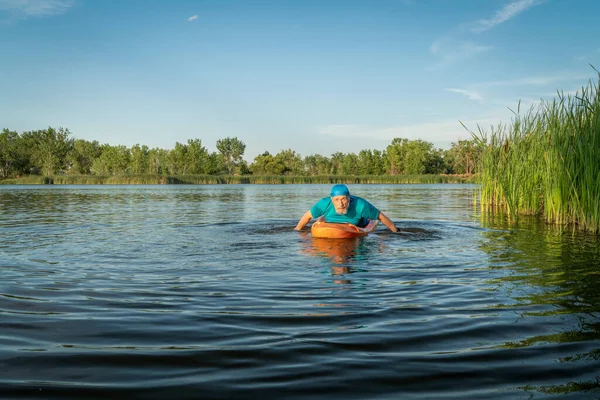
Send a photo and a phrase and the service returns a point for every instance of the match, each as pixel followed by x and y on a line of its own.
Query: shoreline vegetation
pixel 234 179
pixel 546 163
pixel 51 155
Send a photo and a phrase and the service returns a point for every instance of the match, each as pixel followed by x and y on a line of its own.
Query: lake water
pixel 205 291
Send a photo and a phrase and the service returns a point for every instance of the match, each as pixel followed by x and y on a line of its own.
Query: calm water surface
pixel 193 292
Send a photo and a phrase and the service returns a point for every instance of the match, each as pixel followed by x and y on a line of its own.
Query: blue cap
pixel 339 190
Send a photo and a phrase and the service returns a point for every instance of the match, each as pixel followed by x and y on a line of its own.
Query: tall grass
pixel 28 180
pixel 547 161
pixel 229 179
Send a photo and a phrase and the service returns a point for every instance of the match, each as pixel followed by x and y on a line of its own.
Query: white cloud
pixel 36 8
pixel 470 95
pixel 507 12
pixel 192 18
pixel 441 133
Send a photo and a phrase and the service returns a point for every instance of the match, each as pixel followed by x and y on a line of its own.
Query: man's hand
pixel 387 222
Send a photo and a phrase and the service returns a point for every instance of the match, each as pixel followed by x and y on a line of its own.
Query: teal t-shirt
pixel 359 212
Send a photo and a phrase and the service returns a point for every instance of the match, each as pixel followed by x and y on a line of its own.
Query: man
pixel 341 207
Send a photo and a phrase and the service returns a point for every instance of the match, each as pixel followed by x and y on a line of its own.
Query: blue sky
pixel 313 76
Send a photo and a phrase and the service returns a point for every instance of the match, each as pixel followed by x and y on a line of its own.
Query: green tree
pixel 396 156
pixel 231 150
pixel 114 160
pixel 243 168
pixel 317 164
pixel 197 157
pixel 81 156
pixel 140 163
pixel 379 162
pixel 371 162
pixel 266 164
pixel 158 161
pixel 350 164
pixel 463 157
pixel 418 155
pixel 11 159
pixel 435 163
pixel 27 148
pixel 413 157
pixel 337 162
pixel 49 149
pixel 215 164
pixel 178 159
pixel 292 162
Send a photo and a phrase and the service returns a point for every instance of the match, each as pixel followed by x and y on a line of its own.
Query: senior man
pixel 341 207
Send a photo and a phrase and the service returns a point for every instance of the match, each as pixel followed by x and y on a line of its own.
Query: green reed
pixel 28 180
pixel 547 161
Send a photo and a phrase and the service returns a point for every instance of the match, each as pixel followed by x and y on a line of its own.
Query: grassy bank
pixel 222 179
pixel 547 162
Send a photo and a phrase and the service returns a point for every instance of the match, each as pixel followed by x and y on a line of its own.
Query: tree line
pixel 54 152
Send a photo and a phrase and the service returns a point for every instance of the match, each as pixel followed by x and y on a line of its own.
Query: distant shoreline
pixel 234 179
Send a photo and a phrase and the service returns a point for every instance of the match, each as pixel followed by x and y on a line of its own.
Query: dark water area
pixel 197 292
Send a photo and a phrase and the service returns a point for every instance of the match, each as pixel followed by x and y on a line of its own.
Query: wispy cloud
pixel 589 56
pixel 35 8
pixel 556 94
pixel 469 94
pixel 541 80
pixel 451 51
pixel 527 90
pixel 459 46
pixel 507 12
pixel 192 18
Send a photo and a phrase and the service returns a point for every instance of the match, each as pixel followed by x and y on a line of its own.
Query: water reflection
pixel 341 253
pixel 547 266
pixel 550 276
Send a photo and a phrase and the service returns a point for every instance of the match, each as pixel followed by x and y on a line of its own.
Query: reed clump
pixel 28 180
pixel 547 161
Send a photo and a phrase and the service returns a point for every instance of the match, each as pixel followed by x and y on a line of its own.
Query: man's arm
pixel 387 222
pixel 303 221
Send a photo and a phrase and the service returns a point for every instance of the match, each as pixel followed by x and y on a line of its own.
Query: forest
pixel 51 152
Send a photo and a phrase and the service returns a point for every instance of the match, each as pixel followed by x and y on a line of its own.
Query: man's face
pixel 341 203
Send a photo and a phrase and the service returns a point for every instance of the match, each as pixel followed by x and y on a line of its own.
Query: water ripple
pixel 156 292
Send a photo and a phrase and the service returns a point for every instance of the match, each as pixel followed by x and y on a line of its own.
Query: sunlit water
pixel 193 292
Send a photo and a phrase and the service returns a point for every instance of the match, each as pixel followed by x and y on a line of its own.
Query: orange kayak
pixel 322 229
